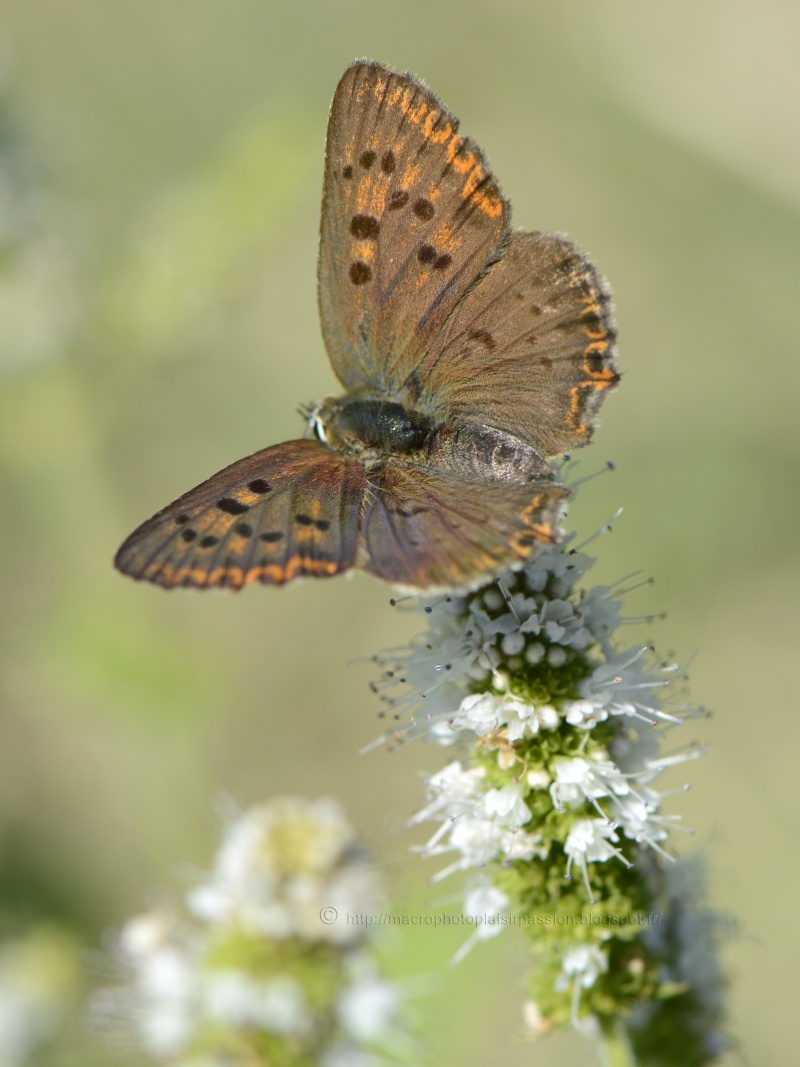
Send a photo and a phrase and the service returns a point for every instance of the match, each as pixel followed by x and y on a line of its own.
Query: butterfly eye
pixel 315 420
pixel 319 427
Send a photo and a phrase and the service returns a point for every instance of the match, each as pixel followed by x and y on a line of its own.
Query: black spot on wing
pixel 360 272
pixel 485 339
pixel 365 227
pixel 307 520
pixel 423 209
pixel 231 506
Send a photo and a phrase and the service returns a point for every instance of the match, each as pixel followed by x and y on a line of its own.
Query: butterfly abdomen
pixel 485 453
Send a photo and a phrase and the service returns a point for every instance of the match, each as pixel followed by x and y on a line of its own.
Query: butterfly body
pixel 469 355
pixel 375 431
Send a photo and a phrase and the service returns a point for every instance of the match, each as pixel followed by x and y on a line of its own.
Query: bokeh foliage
pixel 160 172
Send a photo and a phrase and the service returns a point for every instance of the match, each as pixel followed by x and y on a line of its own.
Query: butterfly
pixel 469 354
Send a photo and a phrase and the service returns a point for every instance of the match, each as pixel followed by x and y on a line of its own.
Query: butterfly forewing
pixel 433 530
pixel 287 511
pixel 410 216
pixel 530 348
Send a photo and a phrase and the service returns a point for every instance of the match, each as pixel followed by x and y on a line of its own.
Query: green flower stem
pixel 614 1048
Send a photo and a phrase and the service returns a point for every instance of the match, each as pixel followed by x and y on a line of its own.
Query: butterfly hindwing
pixel 434 530
pixel 530 349
pixel 286 511
pixel 410 216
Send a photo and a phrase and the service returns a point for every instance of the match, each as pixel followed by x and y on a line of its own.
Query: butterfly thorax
pixel 369 424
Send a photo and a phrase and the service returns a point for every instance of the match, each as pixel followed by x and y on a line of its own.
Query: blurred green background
pixel 160 175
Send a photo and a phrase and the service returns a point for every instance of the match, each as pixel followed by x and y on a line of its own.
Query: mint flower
pixel 553 805
pixel 257 964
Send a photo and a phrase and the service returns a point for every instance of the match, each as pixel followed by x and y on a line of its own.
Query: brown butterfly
pixel 469 354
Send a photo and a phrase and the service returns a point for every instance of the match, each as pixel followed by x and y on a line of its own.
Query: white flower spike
pixel 558 725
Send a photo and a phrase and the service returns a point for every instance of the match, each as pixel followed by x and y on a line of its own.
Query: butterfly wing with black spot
pixel 410 217
pixel 434 529
pixel 530 349
pixel 286 511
